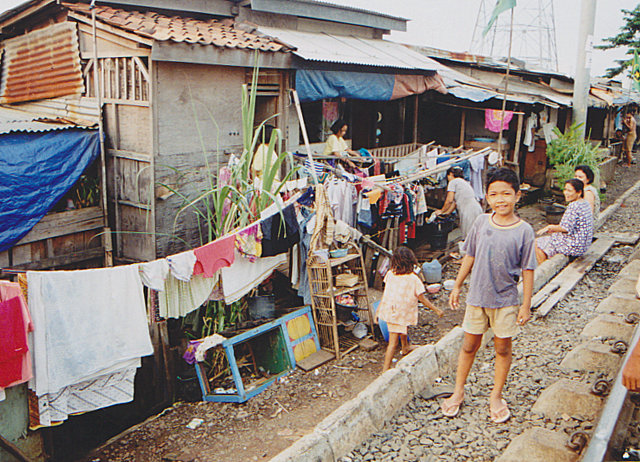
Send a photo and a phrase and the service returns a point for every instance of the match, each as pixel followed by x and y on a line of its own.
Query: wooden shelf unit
pixel 322 272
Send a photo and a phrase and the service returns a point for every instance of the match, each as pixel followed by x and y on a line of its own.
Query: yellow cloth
pixel 261 154
pixel 335 144
pixel 373 196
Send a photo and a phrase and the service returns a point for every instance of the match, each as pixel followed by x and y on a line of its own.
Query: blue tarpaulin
pixel 36 170
pixel 313 85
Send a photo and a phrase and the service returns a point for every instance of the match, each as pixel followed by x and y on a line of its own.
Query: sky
pixel 449 24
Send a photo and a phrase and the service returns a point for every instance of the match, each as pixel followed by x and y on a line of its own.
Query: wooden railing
pixel 394 152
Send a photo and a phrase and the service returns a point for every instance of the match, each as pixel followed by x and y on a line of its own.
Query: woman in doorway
pixel 591 194
pixel 460 197
pixel 572 237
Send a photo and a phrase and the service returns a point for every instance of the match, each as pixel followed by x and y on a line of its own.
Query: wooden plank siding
pixel 58 240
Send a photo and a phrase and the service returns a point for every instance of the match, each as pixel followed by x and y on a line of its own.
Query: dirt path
pixel 271 421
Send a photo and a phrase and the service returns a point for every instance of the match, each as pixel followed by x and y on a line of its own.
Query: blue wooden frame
pixel 242 394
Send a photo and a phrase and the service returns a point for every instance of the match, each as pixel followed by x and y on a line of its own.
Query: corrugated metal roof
pixel 44 63
pixel 342 49
pixel 179 29
pixel 13 120
pixel 79 111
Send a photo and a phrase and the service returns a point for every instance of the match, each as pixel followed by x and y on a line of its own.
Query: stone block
pixel 570 397
pixel 313 447
pixel 386 395
pixel 621 304
pixel 592 356
pixel 623 286
pixel 421 367
pixel 348 426
pixel 539 445
pixel 631 270
pixel 447 350
pixel 608 325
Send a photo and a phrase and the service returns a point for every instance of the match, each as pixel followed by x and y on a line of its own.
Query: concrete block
pixel 631 270
pixel 421 367
pixel 386 395
pixel 608 325
pixel 623 286
pixel 539 444
pixel 592 356
pixel 313 447
pixel 547 270
pixel 447 350
pixel 348 426
pixel 621 304
pixel 570 397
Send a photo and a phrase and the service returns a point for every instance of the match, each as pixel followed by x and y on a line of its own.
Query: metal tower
pixel 534 33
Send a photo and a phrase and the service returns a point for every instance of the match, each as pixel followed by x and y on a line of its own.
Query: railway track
pixel 564 388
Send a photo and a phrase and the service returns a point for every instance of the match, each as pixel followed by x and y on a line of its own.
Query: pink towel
pixel 13 343
pixel 214 255
pixel 492 120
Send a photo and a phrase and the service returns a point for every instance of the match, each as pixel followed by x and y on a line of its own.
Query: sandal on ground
pixel 501 415
pixel 450 410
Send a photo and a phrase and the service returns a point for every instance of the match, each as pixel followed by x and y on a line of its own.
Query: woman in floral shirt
pixel 572 237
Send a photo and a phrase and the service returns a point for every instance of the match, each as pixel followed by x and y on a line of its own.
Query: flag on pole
pixel 501 7
pixel 635 71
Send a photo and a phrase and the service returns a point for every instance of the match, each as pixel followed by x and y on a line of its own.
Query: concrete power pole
pixel 583 63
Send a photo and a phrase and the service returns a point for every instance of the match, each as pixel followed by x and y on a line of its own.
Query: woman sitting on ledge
pixel 572 237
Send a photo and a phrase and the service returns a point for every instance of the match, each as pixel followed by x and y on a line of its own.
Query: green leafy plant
pixel 571 149
pixel 87 191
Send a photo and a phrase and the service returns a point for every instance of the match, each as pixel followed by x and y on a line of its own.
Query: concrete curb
pixel 356 420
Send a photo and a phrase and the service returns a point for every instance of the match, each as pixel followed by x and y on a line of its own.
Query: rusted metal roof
pixel 44 63
pixel 149 24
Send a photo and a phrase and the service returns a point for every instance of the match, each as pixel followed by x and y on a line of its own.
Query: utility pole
pixel 582 80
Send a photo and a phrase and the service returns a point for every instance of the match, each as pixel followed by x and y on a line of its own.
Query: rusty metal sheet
pixel 44 63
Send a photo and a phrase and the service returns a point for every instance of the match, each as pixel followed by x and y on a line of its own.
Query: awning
pixel 331 48
pixel 313 85
pixel 14 121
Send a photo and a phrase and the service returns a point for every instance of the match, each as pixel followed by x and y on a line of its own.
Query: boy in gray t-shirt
pixel 499 247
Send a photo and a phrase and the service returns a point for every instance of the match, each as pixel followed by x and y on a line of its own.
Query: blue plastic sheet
pixel 313 85
pixel 36 170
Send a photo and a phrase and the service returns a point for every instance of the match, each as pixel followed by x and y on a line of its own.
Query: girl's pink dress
pixel 399 304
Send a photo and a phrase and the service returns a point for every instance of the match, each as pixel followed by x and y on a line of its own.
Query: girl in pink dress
pixel 399 305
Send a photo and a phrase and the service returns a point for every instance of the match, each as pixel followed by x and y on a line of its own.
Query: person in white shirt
pixel 336 145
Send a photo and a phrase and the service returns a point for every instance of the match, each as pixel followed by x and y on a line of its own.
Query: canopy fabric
pixel 36 170
pixel 313 85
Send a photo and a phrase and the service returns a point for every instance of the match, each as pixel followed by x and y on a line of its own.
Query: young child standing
pixel 399 304
pixel 499 247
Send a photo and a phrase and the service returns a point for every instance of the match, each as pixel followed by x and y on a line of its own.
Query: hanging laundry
pixel 365 217
pixel 529 132
pixel 154 273
pixel 85 322
pixel 493 120
pixel 207 343
pixel 343 199
pixel 11 293
pixel 13 343
pixel 249 242
pixel 322 235
pixel 306 222
pixel 242 276
pixel 477 165
pixel 181 298
pixel 278 236
pixel 214 255
pixel 95 393
pixel 182 264
pixel 421 200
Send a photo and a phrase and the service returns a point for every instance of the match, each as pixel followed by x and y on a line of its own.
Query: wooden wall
pixel 197 119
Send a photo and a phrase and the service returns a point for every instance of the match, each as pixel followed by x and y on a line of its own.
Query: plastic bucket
pixel 381 322
pixel 262 306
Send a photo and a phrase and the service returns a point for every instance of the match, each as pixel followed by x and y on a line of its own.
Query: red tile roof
pixel 179 29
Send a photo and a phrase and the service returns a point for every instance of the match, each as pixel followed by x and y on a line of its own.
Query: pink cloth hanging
pixel 492 120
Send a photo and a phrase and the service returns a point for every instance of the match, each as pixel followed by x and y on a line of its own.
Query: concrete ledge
pixel 347 426
pixel 312 447
pixel 421 367
pixel 386 395
pixel 447 350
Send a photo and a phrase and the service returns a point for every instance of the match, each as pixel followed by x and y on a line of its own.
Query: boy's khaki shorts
pixel 503 321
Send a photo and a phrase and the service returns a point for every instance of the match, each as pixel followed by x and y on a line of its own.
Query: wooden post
pixel 516 149
pixel 462 127
pixel 416 100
